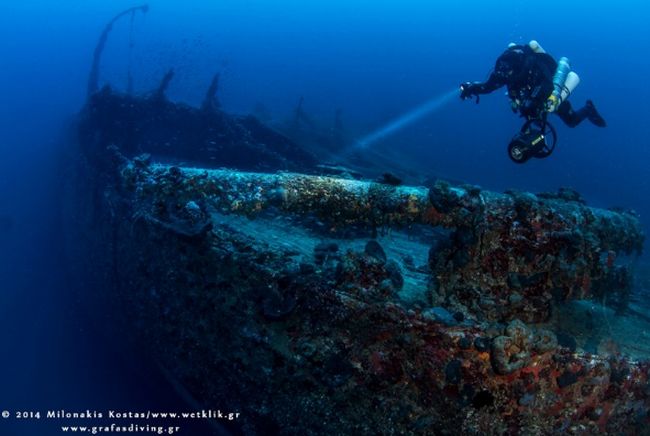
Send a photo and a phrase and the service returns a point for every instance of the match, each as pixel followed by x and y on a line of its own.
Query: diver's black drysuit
pixel 529 78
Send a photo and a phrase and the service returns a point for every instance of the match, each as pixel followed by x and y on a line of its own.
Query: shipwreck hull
pixel 509 255
pixel 230 286
pixel 315 353
pixel 180 133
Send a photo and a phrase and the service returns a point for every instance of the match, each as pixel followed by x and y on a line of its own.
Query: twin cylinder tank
pixel 564 80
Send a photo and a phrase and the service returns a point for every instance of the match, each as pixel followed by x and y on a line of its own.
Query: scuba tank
pixel 534 45
pixel 564 82
pixel 572 80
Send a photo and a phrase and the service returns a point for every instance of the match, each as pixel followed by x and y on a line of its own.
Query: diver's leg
pixel 593 115
pixel 572 118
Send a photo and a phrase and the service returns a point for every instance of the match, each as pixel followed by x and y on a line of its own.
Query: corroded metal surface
pixel 509 256
pixel 302 349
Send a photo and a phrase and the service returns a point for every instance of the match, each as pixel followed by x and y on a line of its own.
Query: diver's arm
pixel 469 89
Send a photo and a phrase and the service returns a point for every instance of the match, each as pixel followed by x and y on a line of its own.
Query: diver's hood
pixel 510 62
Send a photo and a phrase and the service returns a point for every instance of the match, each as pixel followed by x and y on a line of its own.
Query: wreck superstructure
pixel 324 305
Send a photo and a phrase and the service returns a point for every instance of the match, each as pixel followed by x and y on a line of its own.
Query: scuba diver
pixel 537 85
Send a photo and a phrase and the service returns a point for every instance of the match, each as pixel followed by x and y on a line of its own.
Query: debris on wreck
pixel 93 78
pixel 222 275
pixel 211 101
pixel 390 179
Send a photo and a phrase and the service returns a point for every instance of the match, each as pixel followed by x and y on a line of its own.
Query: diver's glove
pixel 468 90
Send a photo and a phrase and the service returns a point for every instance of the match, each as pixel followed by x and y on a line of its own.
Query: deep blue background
pixel 373 59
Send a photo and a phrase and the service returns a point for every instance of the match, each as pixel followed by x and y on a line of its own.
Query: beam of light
pixel 407 119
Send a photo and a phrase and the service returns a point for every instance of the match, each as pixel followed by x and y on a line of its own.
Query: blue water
pixel 377 61
pixel 405 121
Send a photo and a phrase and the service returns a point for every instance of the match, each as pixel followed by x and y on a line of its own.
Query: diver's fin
pixel 594 116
